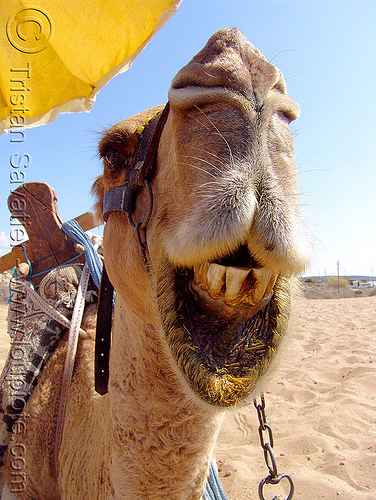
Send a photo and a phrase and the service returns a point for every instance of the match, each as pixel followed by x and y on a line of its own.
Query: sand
pixel 320 404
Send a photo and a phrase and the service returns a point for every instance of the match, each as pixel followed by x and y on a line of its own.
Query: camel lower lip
pixel 237 313
pixel 227 340
pixel 228 346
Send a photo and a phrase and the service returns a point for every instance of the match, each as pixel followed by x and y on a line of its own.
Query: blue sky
pixel 326 51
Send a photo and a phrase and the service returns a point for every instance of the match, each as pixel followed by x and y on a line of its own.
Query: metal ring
pixel 131 221
pixel 150 204
pixel 144 223
pixel 276 480
pixel 138 230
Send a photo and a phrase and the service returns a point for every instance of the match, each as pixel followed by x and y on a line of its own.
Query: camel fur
pixel 196 328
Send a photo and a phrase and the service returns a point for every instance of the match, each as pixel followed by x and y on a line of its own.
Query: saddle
pixel 51 262
pixel 33 206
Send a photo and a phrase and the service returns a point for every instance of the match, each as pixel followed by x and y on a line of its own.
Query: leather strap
pixel 144 160
pixel 47 309
pixel 123 198
pixel 103 334
pixel 143 167
pixel 70 358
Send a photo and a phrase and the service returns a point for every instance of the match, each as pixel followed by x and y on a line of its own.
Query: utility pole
pixel 338 276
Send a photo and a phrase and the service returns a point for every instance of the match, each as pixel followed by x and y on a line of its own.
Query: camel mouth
pixel 234 287
pixel 222 307
pixel 223 332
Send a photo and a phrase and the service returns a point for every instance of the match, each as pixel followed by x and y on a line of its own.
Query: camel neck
pixel 159 432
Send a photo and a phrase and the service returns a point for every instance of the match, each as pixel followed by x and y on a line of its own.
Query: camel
pixel 198 322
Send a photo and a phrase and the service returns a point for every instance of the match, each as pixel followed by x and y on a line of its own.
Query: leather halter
pixel 123 199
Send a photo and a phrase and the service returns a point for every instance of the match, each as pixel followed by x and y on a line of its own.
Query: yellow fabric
pixel 54 57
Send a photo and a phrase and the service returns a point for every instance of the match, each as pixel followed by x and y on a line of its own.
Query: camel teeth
pixel 200 275
pixel 264 282
pixel 235 277
pixel 227 283
pixel 216 279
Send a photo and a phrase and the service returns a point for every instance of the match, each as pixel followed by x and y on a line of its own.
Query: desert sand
pixel 320 403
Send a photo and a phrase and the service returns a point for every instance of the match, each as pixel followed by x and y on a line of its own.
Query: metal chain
pixel 265 431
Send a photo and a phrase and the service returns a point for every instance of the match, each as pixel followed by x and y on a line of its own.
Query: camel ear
pixel 116 149
pixel 98 192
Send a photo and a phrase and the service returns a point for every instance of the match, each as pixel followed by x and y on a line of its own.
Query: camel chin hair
pixel 197 327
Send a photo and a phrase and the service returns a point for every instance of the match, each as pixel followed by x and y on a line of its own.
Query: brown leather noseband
pixel 123 199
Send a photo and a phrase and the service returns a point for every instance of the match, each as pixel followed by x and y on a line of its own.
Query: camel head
pixel 225 239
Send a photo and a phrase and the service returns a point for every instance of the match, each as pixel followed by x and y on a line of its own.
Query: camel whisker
pixel 218 132
pixel 222 162
pixel 204 161
pixel 197 168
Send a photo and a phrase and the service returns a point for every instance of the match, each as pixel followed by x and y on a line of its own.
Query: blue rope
pixel 75 231
pixel 214 490
pixel 52 268
pixel 27 258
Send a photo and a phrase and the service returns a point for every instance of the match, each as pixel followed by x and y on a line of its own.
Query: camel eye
pixel 114 159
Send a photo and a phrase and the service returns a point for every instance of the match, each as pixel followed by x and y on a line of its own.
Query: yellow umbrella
pixel 54 57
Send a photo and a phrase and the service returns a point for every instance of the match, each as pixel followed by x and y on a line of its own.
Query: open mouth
pixel 225 325
pixel 233 287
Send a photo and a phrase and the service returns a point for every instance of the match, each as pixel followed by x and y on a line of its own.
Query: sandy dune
pixel 321 405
